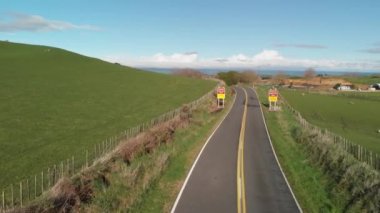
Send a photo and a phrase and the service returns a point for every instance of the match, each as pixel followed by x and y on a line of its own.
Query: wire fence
pixel 28 189
pixel 359 152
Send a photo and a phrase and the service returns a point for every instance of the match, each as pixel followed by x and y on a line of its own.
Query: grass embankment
pixel 144 174
pixel 309 183
pixel 55 104
pixel 323 176
pixel 352 115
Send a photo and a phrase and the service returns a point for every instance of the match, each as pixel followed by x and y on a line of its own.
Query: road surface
pixel 237 170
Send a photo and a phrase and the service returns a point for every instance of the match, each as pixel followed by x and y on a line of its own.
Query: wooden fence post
pixel 48 177
pixel 86 158
pixel 42 182
pixel 61 169
pixel 72 164
pixel 21 193
pixel 3 199
pixel 27 186
pixel 12 195
pixel 66 167
pixel 55 174
pixel 35 186
pixel 103 147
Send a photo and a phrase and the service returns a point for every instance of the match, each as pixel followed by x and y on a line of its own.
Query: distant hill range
pixel 265 72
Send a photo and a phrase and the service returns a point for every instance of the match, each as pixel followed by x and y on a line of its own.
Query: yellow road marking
pixel 240 163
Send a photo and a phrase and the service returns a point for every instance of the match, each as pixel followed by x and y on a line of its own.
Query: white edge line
pixel 196 160
pixel 275 155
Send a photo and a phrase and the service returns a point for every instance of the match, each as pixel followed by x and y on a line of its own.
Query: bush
pixel 231 77
pixel 350 175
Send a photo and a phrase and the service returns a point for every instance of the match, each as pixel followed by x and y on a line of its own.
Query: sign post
pixel 273 99
pixel 221 95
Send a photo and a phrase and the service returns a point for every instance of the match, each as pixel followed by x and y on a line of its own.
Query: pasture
pixel 367 80
pixel 353 115
pixel 55 104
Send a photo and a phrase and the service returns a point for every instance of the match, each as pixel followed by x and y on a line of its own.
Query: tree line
pixel 234 77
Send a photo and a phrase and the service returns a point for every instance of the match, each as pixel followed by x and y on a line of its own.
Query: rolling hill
pixel 55 104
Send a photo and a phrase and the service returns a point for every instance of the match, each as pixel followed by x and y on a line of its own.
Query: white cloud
pixel 268 55
pixel 35 23
pixel 264 59
pixel 190 57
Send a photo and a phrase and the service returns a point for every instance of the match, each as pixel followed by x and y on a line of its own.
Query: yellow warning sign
pixel 221 96
pixel 273 98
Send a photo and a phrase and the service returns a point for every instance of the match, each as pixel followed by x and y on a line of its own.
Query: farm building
pixel 344 87
pixel 376 86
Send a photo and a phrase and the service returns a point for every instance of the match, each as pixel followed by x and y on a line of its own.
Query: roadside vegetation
pixel 188 142
pixel 143 174
pixel 55 104
pixel 323 176
pixel 352 115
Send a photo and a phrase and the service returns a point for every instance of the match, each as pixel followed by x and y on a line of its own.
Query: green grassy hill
pixel 55 104
pixel 354 116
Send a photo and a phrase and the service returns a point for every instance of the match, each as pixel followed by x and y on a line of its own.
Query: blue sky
pixel 293 34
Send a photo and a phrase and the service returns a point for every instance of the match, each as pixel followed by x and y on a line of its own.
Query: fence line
pixel 357 151
pixel 32 187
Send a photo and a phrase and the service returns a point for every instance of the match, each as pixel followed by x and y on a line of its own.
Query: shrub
pixel 358 179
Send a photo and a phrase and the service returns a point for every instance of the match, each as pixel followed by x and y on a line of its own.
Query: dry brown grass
pixel 64 196
pixel 146 142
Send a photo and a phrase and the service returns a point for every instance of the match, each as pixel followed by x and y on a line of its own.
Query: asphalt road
pixel 265 186
pixel 212 184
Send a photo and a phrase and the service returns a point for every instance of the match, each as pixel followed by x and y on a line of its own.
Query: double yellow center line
pixel 240 163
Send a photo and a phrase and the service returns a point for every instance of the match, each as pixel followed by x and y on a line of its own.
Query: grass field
pixel 364 79
pixel 354 116
pixel 55 104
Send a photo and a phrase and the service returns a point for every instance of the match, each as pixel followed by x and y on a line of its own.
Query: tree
pixel 249 77
pixel 279 78
pixel 310 73
pixel 230 77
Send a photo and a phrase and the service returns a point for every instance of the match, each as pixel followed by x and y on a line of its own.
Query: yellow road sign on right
pixel 273 98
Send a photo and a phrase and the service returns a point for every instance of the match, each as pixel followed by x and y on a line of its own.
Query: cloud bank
pixel 189 57
pixel 266 59
pixel 33 23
